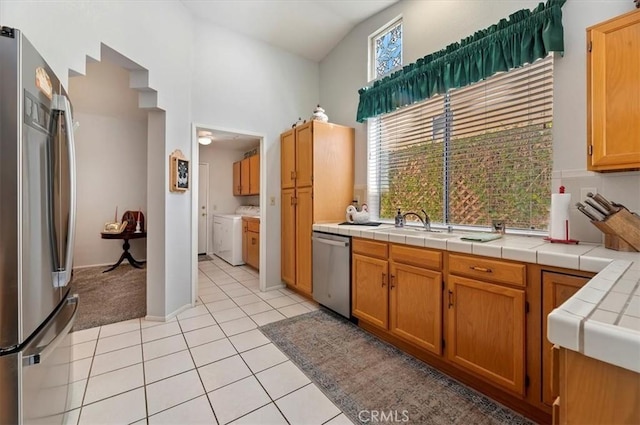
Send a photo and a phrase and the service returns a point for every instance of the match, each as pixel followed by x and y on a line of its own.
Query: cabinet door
pixel 288 159
pixel 254 175
pixel 613 94
pixel 244 176
pixel 236 178
pixel 369 290
pixel 288 237
pixel 415 306
pixel 485 331
pixel 304 155
pixel 245 236
pixel 253 249
pixel 556 289
pixel 304 230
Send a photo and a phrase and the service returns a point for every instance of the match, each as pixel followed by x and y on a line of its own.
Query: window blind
pixel 475 154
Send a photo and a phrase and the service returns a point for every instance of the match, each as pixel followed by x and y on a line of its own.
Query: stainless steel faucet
pixel 426 221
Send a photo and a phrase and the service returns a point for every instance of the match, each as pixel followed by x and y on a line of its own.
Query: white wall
pixel 111 153
pixel 155 37
pixel 253 88
pixel 431 26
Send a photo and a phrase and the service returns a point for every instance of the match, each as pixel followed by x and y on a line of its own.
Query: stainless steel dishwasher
pixel 332 272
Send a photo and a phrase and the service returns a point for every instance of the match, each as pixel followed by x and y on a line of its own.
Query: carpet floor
pixel 110 297
pixel 359 372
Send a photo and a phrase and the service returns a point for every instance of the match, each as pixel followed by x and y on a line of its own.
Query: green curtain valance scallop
pixel 526 36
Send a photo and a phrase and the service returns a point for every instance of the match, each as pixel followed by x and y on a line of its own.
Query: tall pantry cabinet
pixel 317 175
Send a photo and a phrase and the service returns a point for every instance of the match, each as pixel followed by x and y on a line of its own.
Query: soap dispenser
pixel 399 222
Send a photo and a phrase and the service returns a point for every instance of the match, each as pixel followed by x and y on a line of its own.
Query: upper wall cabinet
pixel 246 176
pixel 613 94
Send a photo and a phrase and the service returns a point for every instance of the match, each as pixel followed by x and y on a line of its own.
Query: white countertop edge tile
pixel 486 249
pixel 612 344
pixel 458 246
pixel 559 259
pixel 564 329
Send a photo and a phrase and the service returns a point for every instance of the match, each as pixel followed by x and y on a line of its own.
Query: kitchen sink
pixel 418 231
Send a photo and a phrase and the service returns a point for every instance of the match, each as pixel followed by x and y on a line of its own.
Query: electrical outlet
pixel 585 190
pixel 272 201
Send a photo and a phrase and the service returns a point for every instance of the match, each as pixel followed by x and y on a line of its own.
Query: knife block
pixel 621 231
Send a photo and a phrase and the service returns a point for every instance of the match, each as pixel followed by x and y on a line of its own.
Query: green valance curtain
pixel 526 36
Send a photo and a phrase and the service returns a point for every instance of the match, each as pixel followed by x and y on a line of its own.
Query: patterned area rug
pixel 361 373
pixel 110 297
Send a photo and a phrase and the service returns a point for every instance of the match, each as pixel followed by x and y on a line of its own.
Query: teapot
pixel 318 114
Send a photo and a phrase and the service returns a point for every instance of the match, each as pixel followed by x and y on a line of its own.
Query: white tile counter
pixel 602 320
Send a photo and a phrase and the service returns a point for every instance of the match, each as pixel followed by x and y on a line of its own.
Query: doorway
pixel 226 152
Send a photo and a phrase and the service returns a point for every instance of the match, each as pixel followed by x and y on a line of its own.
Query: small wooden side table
pixel 125 248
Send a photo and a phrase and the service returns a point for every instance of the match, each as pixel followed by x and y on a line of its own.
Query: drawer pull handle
pixel 384 279
pixel 450 299
pixel 480 269
pixel 392 285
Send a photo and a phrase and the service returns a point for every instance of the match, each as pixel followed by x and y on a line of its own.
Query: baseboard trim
pixel 169 316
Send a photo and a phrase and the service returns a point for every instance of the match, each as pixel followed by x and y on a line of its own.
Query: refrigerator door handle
pixel 42 352
pixel 62 103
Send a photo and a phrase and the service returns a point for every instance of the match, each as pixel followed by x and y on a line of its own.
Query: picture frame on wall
pixel 179 172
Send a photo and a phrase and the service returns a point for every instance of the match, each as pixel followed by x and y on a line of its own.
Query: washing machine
pixel 227 234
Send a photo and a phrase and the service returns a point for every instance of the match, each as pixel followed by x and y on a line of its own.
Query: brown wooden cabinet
pixel 486 329
pixel 613 94
pixel 398 292
pixel 370 295
pixel 246 176
pixel 317 173
pixel 251 241
pixel 595 392
pixel 237 184
pixel 556 289
pixel 415 305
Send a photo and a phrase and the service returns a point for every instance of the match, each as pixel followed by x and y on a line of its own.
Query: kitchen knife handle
pixel 596 206
pixel 603 201
pixel 582 209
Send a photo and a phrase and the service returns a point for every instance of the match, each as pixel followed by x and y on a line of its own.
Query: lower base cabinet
pixel 370 295
pixel 486 329
pixel 400 298
pixel 596 393
pixel 556 289
pixel 415 306
pixel 251 242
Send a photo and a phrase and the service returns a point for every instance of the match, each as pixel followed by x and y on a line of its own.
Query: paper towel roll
pixel 559 218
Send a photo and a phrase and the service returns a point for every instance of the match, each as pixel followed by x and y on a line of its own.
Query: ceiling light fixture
pixel 204 140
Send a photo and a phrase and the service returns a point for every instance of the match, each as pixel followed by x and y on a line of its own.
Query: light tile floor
pixel 209 365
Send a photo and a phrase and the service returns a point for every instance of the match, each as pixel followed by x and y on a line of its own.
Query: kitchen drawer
pixel 418 257
pixel 370 248
pixel 253 226
pixel 485 269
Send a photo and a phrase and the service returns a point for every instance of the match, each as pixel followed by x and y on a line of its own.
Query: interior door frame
pixel 203 166
pixel 195 160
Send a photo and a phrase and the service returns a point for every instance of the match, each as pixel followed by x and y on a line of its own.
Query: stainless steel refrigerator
pixel 37 222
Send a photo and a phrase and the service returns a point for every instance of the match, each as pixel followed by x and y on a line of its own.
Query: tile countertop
pixel 602 320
